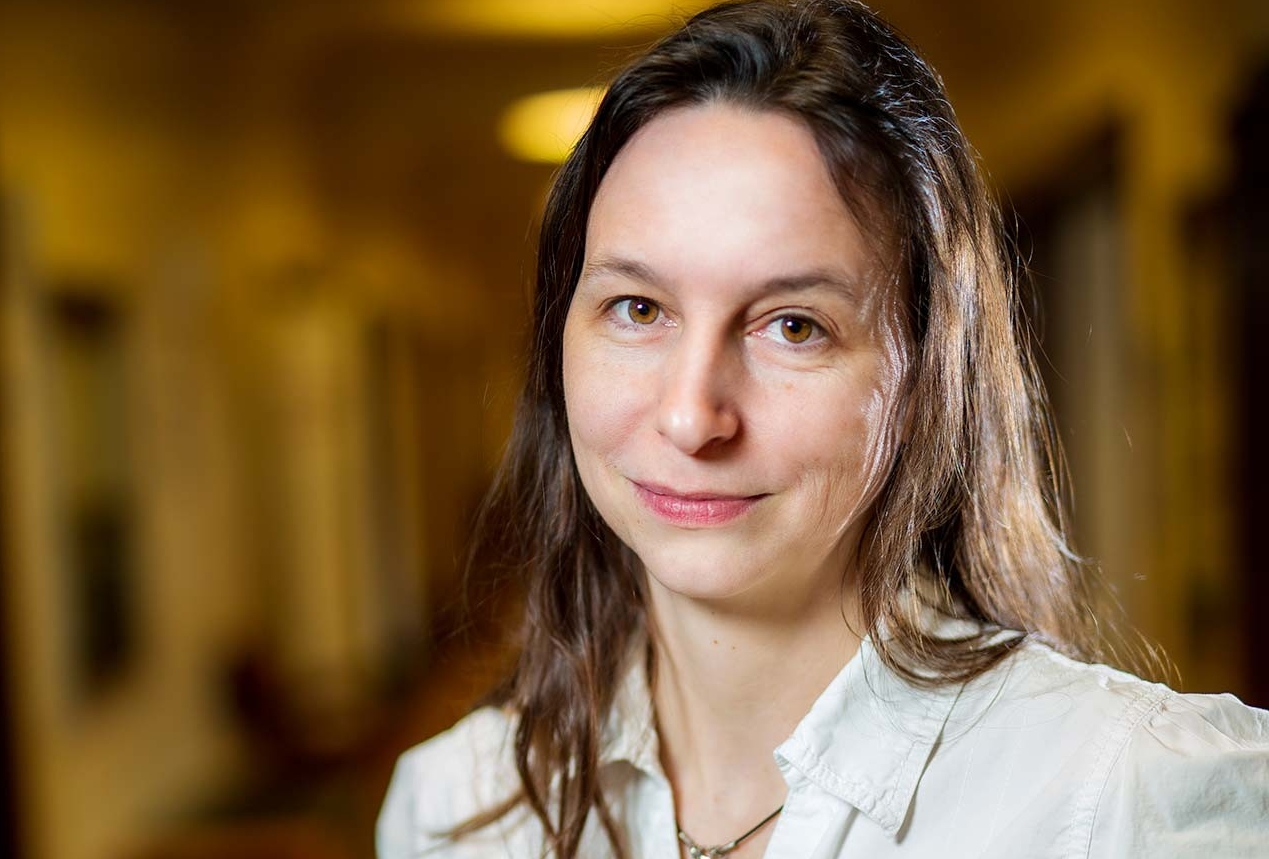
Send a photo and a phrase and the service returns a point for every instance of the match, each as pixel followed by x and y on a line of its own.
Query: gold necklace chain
pixel 696 851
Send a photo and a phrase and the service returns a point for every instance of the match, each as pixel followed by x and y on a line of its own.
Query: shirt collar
pixel 630 732
pixel 865 740
pixel 868 737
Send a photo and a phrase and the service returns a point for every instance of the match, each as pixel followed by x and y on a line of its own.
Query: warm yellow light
pixel 545 126
pixel 568 18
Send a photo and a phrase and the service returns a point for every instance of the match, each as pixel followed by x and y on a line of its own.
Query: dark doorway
pixel 1248 235
pixel 9 841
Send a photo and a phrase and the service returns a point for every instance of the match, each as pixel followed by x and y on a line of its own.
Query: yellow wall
pixel 137 168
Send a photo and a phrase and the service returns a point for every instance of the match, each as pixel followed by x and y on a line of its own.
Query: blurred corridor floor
pixel 331 814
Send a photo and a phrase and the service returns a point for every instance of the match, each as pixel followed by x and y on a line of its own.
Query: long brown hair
pixel 971 511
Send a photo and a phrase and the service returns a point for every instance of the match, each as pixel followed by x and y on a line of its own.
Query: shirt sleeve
pixel 394 832
pixel 1192 779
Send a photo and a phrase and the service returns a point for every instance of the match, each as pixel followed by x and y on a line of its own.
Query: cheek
pixel 845 453
pixel 602 401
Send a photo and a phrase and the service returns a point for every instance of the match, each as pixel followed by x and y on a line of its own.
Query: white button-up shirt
pixel 1040 757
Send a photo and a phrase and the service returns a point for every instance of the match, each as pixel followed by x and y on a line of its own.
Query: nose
pixel 697 409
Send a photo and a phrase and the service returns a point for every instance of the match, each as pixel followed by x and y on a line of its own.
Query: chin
pixel 706 578
pixel 740 573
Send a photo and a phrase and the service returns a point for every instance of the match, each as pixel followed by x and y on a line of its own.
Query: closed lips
pixel 694 508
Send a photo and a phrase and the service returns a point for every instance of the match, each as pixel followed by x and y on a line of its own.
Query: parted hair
pixel 970 515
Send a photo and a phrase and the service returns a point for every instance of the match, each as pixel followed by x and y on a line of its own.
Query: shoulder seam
pixel 1110 749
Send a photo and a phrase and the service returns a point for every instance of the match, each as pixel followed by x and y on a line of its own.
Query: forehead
pixel 717 192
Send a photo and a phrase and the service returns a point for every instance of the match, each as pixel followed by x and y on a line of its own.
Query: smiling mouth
pixel 695 509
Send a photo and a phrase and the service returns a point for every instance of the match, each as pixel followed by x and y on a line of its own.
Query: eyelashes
pixel 639 311
pixel 789 329
pixel 795 329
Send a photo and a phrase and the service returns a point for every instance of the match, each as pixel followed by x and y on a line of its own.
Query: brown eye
pixel 796 330
pixel 642 312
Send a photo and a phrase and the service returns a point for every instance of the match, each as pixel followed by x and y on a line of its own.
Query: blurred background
pixel 263 281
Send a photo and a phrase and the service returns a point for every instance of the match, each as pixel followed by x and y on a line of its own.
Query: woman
pixel 781 492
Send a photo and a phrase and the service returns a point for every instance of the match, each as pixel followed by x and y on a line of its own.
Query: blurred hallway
pixel 263 296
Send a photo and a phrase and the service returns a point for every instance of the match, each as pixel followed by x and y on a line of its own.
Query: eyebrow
pixel 636 270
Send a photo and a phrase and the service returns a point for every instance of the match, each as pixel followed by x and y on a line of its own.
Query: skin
pixel 733 370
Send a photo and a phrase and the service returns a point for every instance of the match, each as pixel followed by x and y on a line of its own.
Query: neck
pixel 731 685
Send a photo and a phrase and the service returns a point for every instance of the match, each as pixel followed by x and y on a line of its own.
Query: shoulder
pixel 444 782
pixel 1160 773
pixel 1131 710
pixel 1192 774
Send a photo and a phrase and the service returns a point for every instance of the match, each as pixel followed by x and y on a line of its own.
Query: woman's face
pixel 733 358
